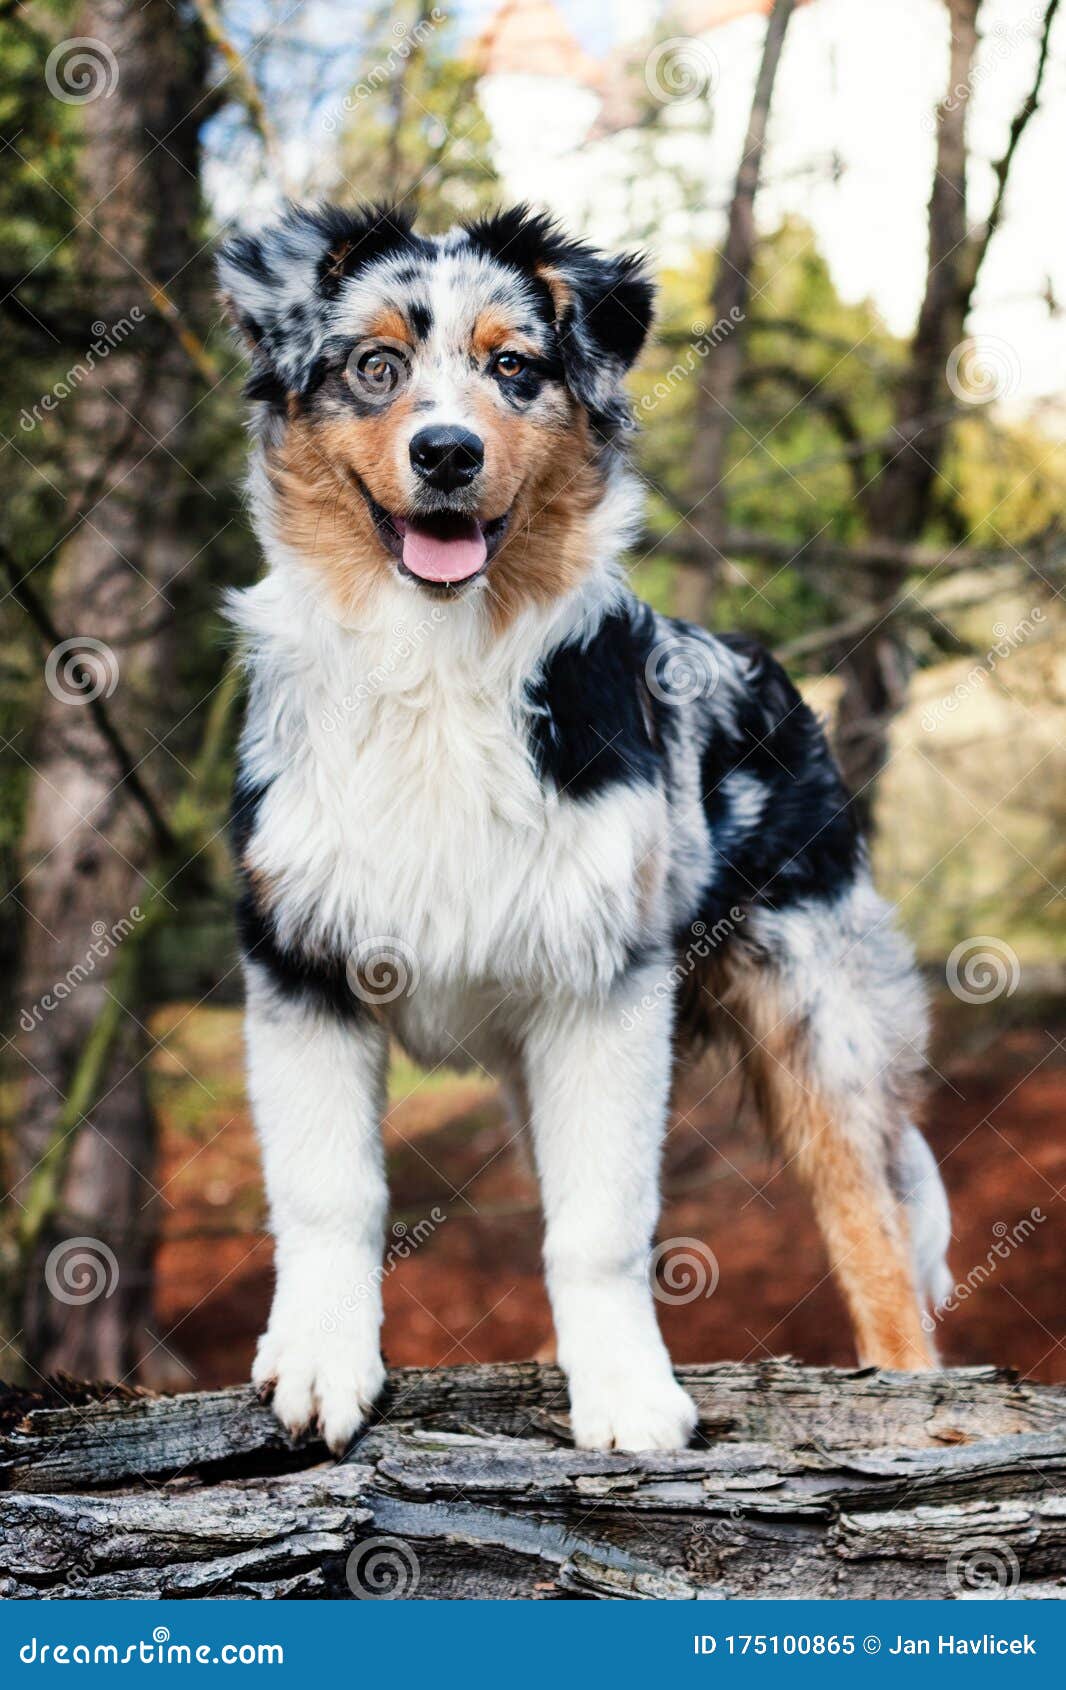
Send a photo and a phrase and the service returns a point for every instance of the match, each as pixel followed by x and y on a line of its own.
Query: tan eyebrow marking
pixel 493 330
pixel 389 324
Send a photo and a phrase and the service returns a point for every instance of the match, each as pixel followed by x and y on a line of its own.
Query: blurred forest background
pixel 854 444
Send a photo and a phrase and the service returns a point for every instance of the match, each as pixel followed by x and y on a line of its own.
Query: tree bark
pixel 717 390
pixel 89 853
pixel 807 1482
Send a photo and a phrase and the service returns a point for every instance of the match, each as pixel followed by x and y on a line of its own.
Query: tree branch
pixel 816 397
pixel 1001 169
pixel 34 606
pixel 243 84
pixel 716 392
pixel 808 1482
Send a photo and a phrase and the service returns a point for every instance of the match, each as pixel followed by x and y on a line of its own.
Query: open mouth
pixel 442 548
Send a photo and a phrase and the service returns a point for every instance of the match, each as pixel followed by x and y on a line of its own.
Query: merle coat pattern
pixel 493 807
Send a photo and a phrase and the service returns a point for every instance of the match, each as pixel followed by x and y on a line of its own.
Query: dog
pixel 491 806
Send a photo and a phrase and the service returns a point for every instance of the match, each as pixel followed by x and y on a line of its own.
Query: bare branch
pixel 243 84
pixel 188 340
pixel 716 400
pixel 36 610
pixel 816 397
pixel 1001 169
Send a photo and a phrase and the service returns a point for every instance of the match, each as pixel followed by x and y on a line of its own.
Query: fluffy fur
pixel 525 822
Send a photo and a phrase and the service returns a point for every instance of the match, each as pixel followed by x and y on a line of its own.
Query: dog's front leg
pixel 317 1090
pixel 599 1080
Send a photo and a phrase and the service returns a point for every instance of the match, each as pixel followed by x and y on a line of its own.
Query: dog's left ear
pixel 602 305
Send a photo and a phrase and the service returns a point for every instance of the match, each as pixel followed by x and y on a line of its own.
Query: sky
pixel 859 80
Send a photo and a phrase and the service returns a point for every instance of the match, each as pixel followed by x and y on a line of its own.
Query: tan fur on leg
pixel 864 1228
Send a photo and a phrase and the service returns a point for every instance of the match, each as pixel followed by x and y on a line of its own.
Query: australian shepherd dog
pixel 491 806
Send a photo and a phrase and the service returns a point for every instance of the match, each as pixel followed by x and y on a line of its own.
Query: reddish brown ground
pixel 471 1290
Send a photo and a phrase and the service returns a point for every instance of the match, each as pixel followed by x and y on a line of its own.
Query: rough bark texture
pixel 807 1482
pixel 89 850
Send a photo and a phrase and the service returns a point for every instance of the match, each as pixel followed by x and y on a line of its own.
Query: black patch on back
pixel 294 975
pixel 806 842
pixel 594 724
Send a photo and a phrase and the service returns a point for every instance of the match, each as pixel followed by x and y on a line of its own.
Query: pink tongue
pixel 433 559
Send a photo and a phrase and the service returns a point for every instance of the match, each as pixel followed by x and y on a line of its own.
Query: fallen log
pixel 802 1482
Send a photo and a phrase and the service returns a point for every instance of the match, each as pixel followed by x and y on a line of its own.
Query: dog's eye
pixel 375 372
pixel 509 364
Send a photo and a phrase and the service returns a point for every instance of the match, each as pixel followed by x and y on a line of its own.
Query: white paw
pixel 326 1379
pixel 648 1411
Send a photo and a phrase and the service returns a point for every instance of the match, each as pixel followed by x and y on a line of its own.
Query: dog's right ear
pixel 280 285
pixel 601 305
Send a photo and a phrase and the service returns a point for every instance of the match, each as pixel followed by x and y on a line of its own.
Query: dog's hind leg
pixel 928 1217
pixel 828 1013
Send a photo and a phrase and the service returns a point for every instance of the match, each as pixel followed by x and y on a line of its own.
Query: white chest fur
pixel 403 804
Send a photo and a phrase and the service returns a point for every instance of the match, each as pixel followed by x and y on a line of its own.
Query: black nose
pixel 447 457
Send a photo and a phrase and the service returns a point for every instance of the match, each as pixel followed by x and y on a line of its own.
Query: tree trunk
pixel 873 667
pixel 89 853
pixel 808 1482
pixel 717 389
pixel 899 502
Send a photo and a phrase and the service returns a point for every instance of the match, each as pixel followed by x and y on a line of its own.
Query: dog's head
pixel 439 407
